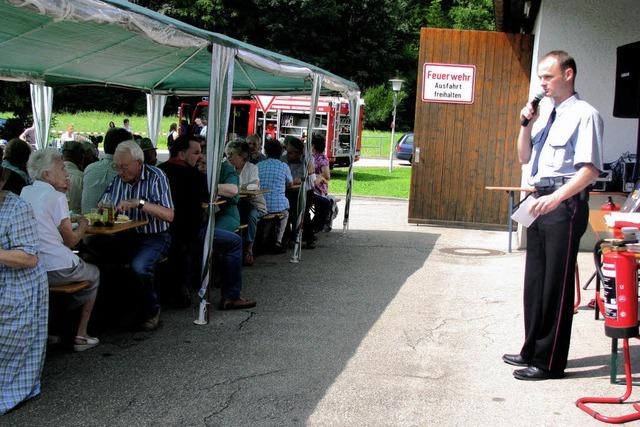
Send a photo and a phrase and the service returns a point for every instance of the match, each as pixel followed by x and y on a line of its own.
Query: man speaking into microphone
pixel 563 149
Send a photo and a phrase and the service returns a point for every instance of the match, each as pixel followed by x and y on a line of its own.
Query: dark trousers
pixel 142 252
pixel 185 258
pixel 228 246
pixel 552 247
pixel 307 226
pixel 323 207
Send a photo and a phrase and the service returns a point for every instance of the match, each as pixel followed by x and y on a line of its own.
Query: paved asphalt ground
pixel 390 324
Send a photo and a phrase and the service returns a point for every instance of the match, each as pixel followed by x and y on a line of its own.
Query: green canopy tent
pixel 114 43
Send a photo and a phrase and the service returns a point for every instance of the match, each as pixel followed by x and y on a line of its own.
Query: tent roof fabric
pixel 117 43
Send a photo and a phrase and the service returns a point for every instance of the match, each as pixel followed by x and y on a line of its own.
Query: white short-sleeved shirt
pixel 250 175
pixel 50 208
pixel 575 139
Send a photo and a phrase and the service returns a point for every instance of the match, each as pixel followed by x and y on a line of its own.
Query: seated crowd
pixel 45 193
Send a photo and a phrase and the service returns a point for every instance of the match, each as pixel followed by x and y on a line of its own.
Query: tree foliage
pixel 367 41
pixel 379 107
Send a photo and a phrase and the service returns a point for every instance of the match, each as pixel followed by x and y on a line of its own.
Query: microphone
pixel 534 103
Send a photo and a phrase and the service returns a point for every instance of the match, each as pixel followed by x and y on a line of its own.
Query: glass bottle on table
pixel 108 209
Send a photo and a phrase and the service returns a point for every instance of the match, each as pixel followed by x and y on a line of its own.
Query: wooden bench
pixel 68 288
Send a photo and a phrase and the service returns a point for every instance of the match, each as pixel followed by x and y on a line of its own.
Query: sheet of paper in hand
pixel 522 215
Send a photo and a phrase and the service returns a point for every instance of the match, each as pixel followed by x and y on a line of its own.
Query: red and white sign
pixel 450 83
pixel 264 102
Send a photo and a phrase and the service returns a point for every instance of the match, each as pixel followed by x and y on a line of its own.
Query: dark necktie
pixel 541 141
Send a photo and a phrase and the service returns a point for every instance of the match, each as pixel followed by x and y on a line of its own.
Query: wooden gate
pixel 465 147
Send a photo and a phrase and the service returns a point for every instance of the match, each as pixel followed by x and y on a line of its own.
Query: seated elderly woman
pixel 251 208
pixel 23 302
pixel 276 176
pixel 228 217
pixel 49 202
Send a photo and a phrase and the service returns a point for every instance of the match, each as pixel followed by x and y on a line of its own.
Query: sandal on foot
pixel 235 304
pixel 84 343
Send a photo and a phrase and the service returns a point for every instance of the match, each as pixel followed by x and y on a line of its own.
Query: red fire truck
pixel 288 115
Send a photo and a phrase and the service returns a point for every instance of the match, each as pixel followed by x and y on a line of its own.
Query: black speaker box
pixel 627 99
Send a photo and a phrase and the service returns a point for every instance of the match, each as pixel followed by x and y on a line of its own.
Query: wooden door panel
pixel 465 147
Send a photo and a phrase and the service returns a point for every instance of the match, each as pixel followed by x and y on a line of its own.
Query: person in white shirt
pixel 127 126
pixel 56 236
pixel 562 147
pixel 251 208
pixel 69 135
pixel 203 130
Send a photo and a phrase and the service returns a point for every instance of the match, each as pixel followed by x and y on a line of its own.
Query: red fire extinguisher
pixel 619 274
pixel 609 206
pixel 620 286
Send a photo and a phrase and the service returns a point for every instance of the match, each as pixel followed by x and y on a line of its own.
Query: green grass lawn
pixel 368 181
pixel 375 143
pixel 98 122
pixel 373 181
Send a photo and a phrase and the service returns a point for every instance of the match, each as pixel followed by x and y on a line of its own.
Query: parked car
pixel 404 149
pixel 2 123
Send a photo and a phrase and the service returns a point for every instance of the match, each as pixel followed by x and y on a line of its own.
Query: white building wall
pixel 590 31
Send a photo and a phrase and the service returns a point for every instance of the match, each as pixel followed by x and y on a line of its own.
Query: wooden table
pixel 511 191
pixel 116 228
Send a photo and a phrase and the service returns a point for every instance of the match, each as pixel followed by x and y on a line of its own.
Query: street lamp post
pixel 396 85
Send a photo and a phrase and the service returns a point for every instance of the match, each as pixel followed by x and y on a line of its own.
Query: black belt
pixel 546 190
pixel 552 182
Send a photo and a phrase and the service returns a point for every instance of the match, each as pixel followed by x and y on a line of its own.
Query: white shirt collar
pixel 567 103
pixel 43 184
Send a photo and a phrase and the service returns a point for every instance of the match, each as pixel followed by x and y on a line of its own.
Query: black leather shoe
pixel 533 373
pixel 515 360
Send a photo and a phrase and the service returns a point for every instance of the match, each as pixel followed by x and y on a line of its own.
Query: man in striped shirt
pixel 142 191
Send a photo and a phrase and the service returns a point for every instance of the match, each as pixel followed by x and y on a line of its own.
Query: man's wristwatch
pixel 141 202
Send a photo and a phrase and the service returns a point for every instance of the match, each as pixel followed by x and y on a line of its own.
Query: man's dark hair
pixel 318 143
pixel 296 144
pixel 273 149
pixel 181 143
pixel 17 152
pixel 564 60
pixel 114 137
pixel 74 153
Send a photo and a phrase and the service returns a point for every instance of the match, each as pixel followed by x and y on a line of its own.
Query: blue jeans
pixel 147 250
pixel 252 224
pixel 228 246
pixel 251 216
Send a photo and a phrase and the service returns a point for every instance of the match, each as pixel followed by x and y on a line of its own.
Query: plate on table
pixel 122 219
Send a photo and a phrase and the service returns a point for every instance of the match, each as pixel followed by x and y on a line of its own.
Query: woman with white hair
pixel 56 236
pixel 251 208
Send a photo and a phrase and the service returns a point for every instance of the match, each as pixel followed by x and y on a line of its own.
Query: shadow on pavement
pixel 269 365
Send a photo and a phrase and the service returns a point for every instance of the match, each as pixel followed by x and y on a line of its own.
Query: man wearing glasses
pixel 141 192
